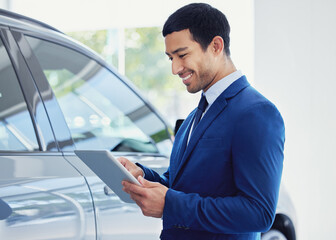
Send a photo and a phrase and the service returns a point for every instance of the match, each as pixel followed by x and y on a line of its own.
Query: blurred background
pixel 285 48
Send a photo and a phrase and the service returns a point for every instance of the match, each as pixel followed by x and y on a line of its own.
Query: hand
pixel 150 197
pixel 131 167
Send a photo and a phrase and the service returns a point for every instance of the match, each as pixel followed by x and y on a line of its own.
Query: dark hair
pixel 204 23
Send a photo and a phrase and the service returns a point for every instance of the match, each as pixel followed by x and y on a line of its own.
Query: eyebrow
pixel 178 50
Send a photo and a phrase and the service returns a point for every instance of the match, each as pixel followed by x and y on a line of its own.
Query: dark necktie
pixel 200 110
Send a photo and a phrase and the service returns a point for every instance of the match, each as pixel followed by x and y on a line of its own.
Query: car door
pixel 46 197
pixel 102 111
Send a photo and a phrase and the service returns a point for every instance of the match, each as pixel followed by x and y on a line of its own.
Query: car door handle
pixel 108 191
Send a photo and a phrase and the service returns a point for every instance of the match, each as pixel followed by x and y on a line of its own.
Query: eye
pixel 182 55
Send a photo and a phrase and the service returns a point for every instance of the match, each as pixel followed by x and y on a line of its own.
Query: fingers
pixel 150 196
pixel 123 161
pixel 131 167
pixel 137 199
pixel 146 183
pixel 131 188
pixel 133 192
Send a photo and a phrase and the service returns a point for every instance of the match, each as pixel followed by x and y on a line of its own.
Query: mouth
pixel 185 77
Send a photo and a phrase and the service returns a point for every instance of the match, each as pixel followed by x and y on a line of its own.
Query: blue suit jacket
pixel 224 183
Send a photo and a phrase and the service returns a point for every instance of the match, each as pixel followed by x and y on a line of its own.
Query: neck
pixel 225 68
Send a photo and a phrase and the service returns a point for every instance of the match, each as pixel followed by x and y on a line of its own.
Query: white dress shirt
pixel 215 90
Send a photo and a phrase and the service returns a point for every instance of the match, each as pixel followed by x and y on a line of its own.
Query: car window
pixel 16 128
pixel 101 111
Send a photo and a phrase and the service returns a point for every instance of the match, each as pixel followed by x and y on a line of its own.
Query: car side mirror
pixel 178 125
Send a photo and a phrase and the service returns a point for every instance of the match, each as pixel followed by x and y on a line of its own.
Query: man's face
pixel 193 65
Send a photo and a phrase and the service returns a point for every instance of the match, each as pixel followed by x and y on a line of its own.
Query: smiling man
pixel 198 68
pixel 226 163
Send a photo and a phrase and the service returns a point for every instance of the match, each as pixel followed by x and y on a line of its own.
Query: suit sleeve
pixel 257 161
pixel 153 176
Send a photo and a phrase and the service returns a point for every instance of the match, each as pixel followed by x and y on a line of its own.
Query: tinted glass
pixel 100 110
pixel 16 128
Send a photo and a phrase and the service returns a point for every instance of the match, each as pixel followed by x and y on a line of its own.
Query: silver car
pixel 56 96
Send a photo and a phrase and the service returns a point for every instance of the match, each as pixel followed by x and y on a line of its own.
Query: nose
pixel 176 66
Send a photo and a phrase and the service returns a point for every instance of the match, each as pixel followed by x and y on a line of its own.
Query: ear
pixel 217 45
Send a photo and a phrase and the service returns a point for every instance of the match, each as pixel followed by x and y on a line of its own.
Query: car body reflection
pixel 55 201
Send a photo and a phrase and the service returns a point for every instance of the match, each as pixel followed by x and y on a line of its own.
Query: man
pixel 225 170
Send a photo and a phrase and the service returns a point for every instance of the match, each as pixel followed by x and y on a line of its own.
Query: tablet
pixel 109 170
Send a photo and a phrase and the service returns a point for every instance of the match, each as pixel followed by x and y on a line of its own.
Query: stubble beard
pixel 203 81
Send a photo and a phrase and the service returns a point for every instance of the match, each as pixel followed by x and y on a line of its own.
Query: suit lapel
pixel 215 109
pixel 205 122
pixel 179 147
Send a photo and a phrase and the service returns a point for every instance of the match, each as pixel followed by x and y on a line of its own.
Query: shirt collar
pixel 215 90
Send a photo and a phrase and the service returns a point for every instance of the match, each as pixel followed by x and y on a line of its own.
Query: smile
pixel 187 77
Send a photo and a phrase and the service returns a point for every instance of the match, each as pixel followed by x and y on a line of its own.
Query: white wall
pixel 295 66
pixel 5 4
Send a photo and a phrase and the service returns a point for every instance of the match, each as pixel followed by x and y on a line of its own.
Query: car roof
pixel 30 25
pixel 18 20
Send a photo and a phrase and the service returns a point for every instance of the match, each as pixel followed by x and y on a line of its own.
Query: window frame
pixel 27 87
pixel 64 41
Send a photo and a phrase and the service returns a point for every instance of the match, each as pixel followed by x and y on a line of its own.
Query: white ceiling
pixel 74 15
